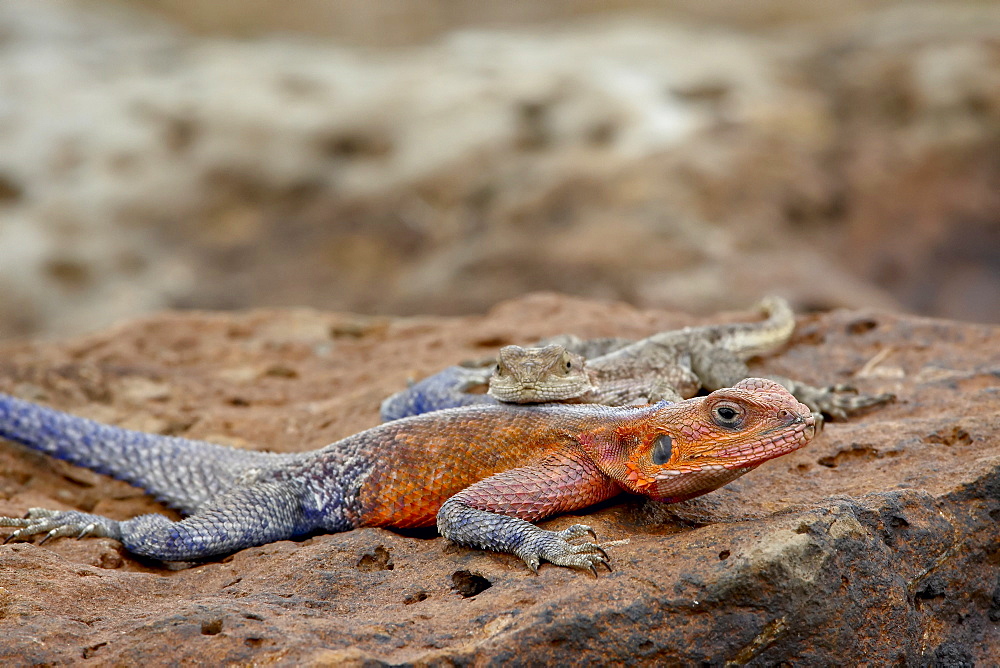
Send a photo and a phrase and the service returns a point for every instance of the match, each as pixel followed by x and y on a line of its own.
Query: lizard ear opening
pixel 663 447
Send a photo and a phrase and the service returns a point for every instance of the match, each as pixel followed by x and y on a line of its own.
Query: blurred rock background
pixel 437 156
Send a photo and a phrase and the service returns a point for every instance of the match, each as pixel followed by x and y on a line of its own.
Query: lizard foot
pixel 554 547
pixel 57 523
pixel 839 401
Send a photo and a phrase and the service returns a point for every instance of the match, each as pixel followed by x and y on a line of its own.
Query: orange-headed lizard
pixel 481 473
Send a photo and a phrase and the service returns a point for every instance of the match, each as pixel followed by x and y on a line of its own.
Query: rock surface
pixel 877 544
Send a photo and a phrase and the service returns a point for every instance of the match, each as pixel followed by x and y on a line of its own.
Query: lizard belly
pixel 409 496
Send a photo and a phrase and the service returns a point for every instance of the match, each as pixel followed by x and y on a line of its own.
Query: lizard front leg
pixel 496 513
pixel 629 391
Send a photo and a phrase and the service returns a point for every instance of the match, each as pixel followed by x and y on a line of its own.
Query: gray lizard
pixel 670 366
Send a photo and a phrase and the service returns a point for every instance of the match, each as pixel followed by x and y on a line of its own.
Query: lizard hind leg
pixel 244 517
pixel 723 369
pixel 717 369
pixel 838 401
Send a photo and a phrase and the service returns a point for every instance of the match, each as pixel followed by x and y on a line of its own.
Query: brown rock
pixel 877 544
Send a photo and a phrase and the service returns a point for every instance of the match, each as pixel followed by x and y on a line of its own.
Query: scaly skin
pixel 482 473
pixel 539 375
pixel 449 388
pixel 667 366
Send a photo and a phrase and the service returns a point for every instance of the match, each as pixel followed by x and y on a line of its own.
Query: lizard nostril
pixel 788 417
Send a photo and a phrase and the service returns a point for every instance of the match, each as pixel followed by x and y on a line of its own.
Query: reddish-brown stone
pixel 877 543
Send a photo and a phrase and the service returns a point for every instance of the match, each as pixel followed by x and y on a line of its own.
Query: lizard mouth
pixel 697 478
pixel 772 443
pixel 769 445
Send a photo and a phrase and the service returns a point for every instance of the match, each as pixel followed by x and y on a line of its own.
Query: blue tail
pixel 445 389
pixel 182 473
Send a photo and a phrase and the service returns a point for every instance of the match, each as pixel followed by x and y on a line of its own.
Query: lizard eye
pixel 662 448
pixel 497 370
pixel 728 415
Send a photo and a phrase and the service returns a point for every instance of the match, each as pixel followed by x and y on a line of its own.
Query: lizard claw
pixel 577 531
pixel 87 530
pixel 58 523
pixel 533 564
pixel 601 551
pixel 554 547
pixel 23 522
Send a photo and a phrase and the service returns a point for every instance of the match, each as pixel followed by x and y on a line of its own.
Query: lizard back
pixel 399 473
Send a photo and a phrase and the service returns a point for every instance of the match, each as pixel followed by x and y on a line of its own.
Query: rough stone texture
pixel 877 544
pixel 852 151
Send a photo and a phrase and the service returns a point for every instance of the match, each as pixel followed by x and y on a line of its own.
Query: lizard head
pixel 679 451
pixel 533 375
